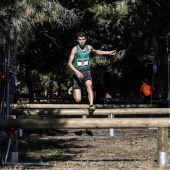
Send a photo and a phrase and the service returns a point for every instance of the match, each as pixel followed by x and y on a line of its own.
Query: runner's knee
pixel 77 99
pixel 77 95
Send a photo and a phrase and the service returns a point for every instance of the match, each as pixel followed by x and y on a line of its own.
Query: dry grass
pixel 69 150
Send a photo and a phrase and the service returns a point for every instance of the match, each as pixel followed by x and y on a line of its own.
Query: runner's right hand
pixel 79 75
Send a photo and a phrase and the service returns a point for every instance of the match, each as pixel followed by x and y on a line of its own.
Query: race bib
pixel 82 62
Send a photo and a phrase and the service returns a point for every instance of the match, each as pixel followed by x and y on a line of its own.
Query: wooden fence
pixel 162 123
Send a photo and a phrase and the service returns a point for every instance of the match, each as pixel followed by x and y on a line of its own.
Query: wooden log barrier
pixel 74 123
pixel 78 123
pixel 122 111
pixel 84 106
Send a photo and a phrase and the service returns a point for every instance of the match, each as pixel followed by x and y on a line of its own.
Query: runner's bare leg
pixel 77 95
pixel 88 84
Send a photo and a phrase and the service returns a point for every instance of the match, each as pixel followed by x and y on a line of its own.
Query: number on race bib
pixel 82 62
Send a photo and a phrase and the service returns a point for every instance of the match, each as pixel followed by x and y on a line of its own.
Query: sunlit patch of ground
pixel 129 149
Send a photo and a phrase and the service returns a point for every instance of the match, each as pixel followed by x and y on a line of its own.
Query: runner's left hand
pixel 112 52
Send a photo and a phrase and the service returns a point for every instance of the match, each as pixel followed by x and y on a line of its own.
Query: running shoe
pixel 91 108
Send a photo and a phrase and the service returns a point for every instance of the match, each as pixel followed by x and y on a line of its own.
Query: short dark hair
pixel 81 34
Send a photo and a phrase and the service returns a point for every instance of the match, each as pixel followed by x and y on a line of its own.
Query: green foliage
pixel 136 26
pixel 47 33
pixel 36 24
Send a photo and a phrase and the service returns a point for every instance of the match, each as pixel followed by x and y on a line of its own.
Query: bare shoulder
pixel 90 47
pixel 74 49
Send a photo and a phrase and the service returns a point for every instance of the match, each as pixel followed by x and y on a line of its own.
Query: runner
pixel 79 62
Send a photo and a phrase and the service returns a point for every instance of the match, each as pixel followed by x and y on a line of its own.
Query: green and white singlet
pixel 82 58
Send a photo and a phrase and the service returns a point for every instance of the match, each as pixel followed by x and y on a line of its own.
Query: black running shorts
pixel 77 82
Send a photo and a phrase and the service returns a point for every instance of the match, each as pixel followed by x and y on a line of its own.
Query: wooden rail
pixel 84 106
pixel 94 123
pixel 122 111
pixel 76 123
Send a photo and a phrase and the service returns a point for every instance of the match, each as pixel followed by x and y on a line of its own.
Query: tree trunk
pixel 29 84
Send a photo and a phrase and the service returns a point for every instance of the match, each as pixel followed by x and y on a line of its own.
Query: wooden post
pixel 84 116
pixel 162 146
pixel 111 130
pixel 14 147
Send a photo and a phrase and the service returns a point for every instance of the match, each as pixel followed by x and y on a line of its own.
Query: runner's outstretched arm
pixel 100 52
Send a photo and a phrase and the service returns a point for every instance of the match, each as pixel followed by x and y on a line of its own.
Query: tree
pixel 31 21
pixel 133 25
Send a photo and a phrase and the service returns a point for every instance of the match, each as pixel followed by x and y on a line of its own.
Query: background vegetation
pixel 46 32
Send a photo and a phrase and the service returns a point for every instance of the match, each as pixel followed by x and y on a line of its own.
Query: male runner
pixel 79 62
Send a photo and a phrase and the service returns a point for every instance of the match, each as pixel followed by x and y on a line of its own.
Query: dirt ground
pixel 129 149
